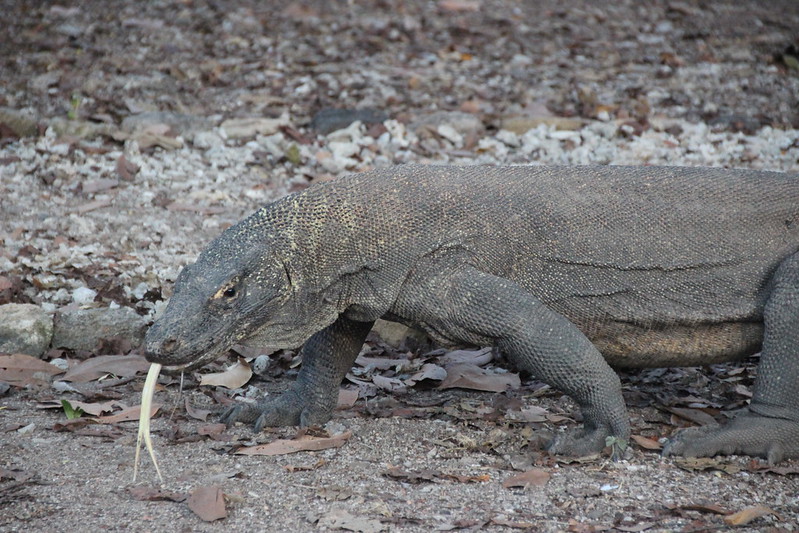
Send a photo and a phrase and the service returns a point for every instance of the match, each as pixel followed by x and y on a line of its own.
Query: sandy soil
pixel 102 192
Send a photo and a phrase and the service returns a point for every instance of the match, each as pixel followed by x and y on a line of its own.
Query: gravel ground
pixel 133 135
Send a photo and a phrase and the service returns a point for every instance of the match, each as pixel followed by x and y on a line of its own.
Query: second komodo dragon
pixel 568 270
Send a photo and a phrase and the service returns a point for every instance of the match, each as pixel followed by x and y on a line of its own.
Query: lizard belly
pixel 628 345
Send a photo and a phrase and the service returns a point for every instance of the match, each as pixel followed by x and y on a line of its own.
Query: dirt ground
pixel 123 166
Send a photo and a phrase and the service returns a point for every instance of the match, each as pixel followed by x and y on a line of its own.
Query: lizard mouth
pixel 192 365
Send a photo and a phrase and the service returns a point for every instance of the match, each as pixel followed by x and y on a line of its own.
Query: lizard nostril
pixel 170 345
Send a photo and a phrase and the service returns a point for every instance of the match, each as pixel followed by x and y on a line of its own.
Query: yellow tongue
pixel 144 419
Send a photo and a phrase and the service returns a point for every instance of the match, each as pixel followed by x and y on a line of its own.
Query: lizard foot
pixel 290 409
pixel 584 441
pixel 774 439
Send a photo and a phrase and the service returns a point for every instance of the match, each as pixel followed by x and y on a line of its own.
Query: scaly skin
pixel 568 270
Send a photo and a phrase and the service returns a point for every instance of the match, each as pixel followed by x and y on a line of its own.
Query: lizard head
pixel 239 288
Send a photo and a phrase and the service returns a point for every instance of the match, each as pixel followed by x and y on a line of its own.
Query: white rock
pixel 83 295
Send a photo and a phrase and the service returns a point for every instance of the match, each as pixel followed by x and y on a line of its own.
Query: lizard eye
pixel 228 292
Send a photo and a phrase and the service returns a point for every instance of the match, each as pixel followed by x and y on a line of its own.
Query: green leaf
pixel 71 412
pixel 617 447
pixel 293 155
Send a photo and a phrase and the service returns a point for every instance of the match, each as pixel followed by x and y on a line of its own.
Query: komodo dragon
pixel 567 270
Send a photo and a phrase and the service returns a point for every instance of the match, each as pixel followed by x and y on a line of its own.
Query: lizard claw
pixel 774 439
pixel 289 409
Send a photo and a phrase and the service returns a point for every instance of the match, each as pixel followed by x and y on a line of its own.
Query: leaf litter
pixel 419 58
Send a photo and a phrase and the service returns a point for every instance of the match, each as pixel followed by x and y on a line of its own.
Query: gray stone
pixel 465 124
pixel 25 328
pixel 84 329
pixel 394 333
pixel 21 123
pixel 329 120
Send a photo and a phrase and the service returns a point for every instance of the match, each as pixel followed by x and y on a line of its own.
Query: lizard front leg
pixel 470 306
pixel 326 358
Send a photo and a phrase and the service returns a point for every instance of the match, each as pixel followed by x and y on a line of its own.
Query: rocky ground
pixel 131 135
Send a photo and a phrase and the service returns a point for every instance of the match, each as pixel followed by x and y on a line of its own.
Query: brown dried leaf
pixel 212 429
pixel 702 507
pixel 514 525
pixel 208 503
pixel 126 169
pixel 426 475
pixel 127 414
pixel 389 384
pixel 97 367
pixel 694 415
pixel 380 363
pixel 195 412
pixel 91 206
pixel 304 443
pixel 21 370
pixel 646 443
pixel 533 414
pixel 428 371
pixel 475 357
pixel 234 377
pixel 744 516
pixel 459 6
pixel 467 376
pixel 346 398
pixel 98 185
pixel 535 477
pixel 94 408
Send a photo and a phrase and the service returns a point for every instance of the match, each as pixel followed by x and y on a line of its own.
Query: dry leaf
pixel 233 378
pixel 646 443
pixel 126 169
pixel 459 6
pixel 428 371
pixel 534 477
pixel 475 357
pixel 21 370
pixel 702 507
pixel 467 376
pixel 694 415
pixel 305 443
pixel 514 525
pixel 94 409
pixel 127 414
pixel 208 503
pixel 346 398
pixel 533 414
pixel 380 363
pixel 744 516
pixel 425 475
pixel 97 367
pixel 195 412
pixel 211 429
pixel 389 384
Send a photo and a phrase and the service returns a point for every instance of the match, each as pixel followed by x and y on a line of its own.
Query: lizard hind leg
pixel 769 427
pixel 469 306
